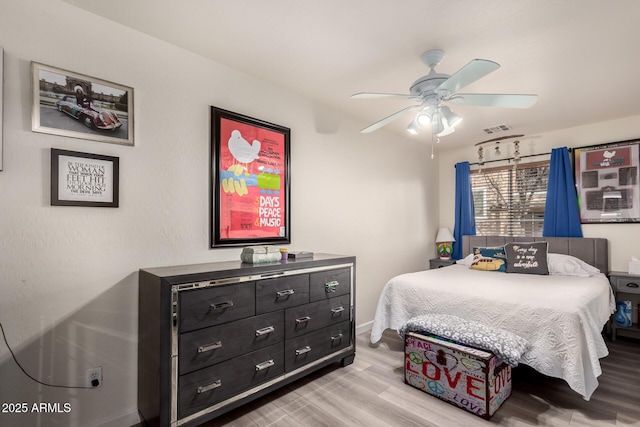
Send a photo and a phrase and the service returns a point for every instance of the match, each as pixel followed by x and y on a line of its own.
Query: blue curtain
pixel 465 214
pixel 561 215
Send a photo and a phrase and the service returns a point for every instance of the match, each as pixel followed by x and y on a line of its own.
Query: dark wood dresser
pixel 215 336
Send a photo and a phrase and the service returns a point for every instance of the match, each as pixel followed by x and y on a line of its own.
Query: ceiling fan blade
pixel 388 119
pixel 474 70
pixel 370 95
pixel 494 100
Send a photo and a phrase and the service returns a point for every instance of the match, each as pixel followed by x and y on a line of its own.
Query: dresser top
pixel 176 274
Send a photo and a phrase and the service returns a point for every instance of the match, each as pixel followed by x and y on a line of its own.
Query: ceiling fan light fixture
pixel 434 88
pixel 448 130
pixel 437 126
pixel 423 119
pixel 414 126
pixel 452 118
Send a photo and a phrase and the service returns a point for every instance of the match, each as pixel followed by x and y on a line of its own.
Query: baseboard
pixel 130 419
pixel 365 327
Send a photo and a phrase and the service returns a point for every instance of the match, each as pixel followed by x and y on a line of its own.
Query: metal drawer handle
pixel 209 347
pixel 632 285
pixel 222 305
pixel 265 365
pixel 303 319
pixel 265 331
pixel 285 293
pixel 336 337
pixel 211 386
pixel 337 310
pixel 303 350
pixel 331 286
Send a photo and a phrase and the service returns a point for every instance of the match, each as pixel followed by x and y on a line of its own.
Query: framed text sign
pixel 84 179
pixel 608 182
pixel 250 191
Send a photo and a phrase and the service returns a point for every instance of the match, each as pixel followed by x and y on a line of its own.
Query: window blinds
pixel 508 201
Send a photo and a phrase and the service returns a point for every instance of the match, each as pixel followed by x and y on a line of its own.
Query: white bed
pixel 561 316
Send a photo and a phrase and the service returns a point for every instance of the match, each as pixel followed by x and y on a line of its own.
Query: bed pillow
pixel 508 346
pixel 489 259
pixel 567 265
pixel 527 258
pixel 466 260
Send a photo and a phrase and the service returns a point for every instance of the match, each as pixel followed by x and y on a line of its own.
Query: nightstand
pixel 626 287
pixel 439 263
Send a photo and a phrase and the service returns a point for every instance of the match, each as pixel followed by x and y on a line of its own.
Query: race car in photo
pixel 90 116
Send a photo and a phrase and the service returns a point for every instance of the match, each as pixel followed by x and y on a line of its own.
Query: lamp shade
pixel 437 125
pixel 414 127
pixel 446 131
pixel 452 118
pixel 444 235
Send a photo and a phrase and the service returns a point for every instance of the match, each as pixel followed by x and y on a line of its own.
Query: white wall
pixel 68 275
pixel 623 238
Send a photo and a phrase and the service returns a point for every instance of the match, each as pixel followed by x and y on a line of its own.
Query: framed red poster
pixel 250 191
pixel 608 182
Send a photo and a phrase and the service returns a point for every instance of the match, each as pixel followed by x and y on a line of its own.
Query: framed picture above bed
pixel 607 178
pixel 250 182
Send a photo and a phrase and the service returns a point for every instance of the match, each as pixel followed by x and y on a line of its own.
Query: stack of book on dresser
pixel 300 255
pixel 260 254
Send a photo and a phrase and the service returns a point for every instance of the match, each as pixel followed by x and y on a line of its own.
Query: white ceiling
pixel 581 57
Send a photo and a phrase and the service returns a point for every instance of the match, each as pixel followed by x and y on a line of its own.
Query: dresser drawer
pixel 629 285
pixel 316 315
pixel 216 344
pixel 329 284
pixel 306 348
pixel 215 305
pixel 201 389
pixel 282 292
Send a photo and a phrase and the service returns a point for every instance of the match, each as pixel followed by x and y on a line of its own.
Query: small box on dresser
pixel 212 337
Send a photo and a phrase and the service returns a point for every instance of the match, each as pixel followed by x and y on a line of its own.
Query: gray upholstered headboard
pixel 592 250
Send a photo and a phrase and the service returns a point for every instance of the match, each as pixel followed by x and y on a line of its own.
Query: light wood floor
pixel 371 393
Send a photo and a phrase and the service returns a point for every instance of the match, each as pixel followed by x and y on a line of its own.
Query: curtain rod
pixel 508 159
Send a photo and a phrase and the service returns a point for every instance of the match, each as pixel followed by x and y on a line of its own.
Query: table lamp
pixel 444 241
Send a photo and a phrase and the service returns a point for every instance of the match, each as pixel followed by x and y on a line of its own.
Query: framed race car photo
pixel 78 106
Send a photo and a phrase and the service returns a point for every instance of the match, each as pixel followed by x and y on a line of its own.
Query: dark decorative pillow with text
pixel 527 258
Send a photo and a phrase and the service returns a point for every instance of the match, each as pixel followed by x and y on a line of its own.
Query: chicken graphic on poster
pixel 251 176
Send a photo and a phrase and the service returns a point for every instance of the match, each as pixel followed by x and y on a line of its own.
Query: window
pixel 508 201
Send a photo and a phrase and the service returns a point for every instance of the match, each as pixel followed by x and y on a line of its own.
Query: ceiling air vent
pixel 497 129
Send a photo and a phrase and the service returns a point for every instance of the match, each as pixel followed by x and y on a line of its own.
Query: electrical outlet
pixel 94 377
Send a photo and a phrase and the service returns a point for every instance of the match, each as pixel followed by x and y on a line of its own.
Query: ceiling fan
pixel 435 88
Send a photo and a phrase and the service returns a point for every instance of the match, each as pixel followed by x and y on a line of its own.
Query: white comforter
pixel 561 316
